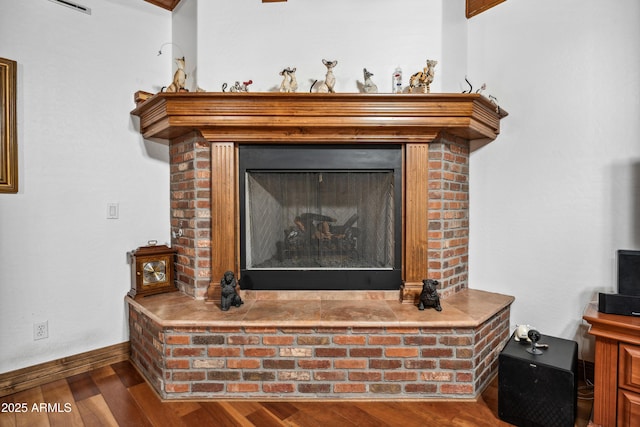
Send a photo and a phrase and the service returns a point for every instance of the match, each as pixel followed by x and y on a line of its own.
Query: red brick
pixel 456 388
pixel 365 376
pixel 421 388
pixel 437 352
pixel 314 388
pixel 277 340
pixel 176 388
pixel 385 388
pixel 177 364
pixel 187 352
pixel 243 340
pixel 207 387
pixel 420 340
pixel 329 376
pixel 401 352
pixel 314 363
pixel 349 339
pixel 278 388
pixel 463 377
pixel 279 364
pixel 223 351
pixel 243 363
pixel 366 352
pixel 242 387
pixel 178 339
pixel 349 388
pixel 400 376
pixel 385 364
pixel 260 351
pixel 188 376
pixel 330 352
pixel 313 340
pixel 350 363
pixel 455 364
pixel 420 364
pixel 383 340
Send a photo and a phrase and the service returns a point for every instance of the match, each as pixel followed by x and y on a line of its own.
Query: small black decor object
pixel 229 295
pixel 534 336
pixel 429 296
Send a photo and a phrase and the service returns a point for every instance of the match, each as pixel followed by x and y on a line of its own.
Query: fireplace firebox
pixel 322 217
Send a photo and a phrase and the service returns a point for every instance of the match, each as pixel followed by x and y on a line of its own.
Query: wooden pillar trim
pixel 416 229
pixel 224 237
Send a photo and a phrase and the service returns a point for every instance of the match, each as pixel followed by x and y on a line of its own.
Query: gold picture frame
pixel 8 127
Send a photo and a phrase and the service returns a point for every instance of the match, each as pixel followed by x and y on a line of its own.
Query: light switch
pixel 112 210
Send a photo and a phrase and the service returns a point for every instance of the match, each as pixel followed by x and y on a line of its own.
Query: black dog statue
pixel 429 296
pixel 229 295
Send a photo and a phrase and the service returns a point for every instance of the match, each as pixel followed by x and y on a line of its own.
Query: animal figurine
pixel 289 81
pixel 237 87
pixel 179 78
pixel 522 333
pixel 369 85
pixel 329 79
pixel 423 78
pixel 429 296
pixel 479 91
pixel 229 295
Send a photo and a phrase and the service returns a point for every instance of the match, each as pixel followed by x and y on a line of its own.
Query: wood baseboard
pixel 33 376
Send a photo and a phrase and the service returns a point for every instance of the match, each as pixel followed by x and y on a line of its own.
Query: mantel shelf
pixel 314 118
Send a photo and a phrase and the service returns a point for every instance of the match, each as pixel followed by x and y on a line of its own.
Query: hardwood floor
pixel 117 395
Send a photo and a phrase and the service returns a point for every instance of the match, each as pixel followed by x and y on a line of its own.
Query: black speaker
pixel 629 272
pixel 538 390
pixel 627 305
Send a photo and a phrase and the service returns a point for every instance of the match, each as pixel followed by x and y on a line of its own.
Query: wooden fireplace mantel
pixel 312 117
pixel 227 120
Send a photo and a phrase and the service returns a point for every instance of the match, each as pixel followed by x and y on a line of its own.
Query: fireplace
pixel 371 190
pixel 320 217
pixel 430 135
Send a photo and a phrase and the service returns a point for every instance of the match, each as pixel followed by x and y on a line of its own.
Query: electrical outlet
pixel 41 330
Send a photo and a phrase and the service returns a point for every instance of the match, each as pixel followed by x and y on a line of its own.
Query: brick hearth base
pixel 318 347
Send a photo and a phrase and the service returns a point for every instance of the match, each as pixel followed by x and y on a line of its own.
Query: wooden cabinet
pixel 617 368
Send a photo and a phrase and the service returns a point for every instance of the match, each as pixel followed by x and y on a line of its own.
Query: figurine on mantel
pixel 179 78
pixel 369 86
pixel 329 80
pixel 228 291
pixel 429 296
pixel 424 78
pixel 289 81
pixel 237 87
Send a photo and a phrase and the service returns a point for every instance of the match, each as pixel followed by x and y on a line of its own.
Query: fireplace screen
pixel 320 217
pixel 320 220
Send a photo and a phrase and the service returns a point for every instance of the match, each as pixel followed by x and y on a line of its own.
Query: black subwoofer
pixel 538 390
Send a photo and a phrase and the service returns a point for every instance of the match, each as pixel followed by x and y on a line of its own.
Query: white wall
pixel 247 39
pixel 558 192
pixel 61 260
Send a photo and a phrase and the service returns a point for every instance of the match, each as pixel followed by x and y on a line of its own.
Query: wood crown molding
pixel 165 4
pixel 476 7
pixel 317 118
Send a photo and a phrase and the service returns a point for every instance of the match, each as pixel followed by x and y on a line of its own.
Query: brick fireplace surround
pixel 300 344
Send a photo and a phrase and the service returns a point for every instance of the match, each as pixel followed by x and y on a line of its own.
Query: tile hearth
pixel 319 346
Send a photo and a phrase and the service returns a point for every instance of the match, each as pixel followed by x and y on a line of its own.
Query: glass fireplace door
pixel 320 220
pixel 320 217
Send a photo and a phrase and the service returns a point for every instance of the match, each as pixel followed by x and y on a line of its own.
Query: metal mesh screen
pixel 320 220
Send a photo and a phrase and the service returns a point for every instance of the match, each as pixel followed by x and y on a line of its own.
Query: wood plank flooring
pixel 116 395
